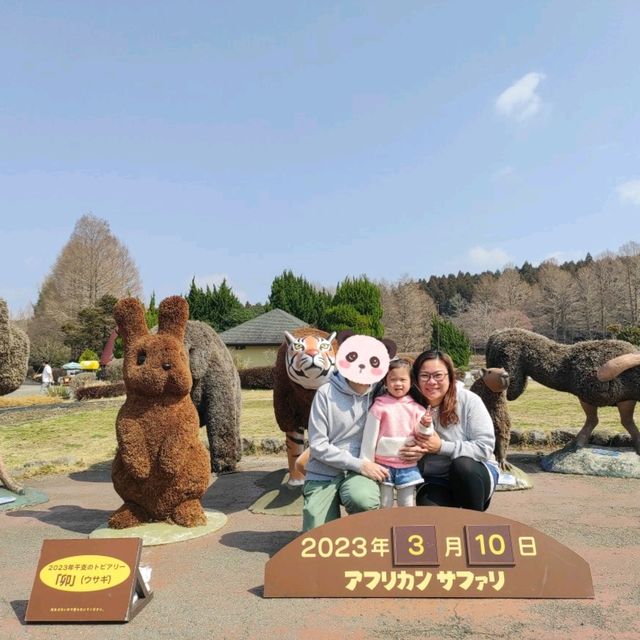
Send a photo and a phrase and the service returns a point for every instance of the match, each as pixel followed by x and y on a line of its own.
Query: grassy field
pixel 59 440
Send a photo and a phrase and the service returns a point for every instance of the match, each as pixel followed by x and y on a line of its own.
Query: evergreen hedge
pixel 256 378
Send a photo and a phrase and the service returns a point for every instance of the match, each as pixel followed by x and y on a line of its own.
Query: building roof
pixel 265 329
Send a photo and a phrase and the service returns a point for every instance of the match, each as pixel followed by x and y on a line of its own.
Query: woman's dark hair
pixel 448 408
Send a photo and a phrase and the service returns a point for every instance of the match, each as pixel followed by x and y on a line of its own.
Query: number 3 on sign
pixel 489 545
pixel 415 545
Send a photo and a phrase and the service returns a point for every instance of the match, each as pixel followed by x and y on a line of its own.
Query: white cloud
pixel 215 280
pixel 629 192
pixel 488 258
pixel 520 101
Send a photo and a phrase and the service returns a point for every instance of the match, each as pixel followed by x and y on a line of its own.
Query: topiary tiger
pixel 306 360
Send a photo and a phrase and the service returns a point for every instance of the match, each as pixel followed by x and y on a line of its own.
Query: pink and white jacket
pixel 391 423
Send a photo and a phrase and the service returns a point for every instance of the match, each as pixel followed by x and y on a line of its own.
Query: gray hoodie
pixel 336 423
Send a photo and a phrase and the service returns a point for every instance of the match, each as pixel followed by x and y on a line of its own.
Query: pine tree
pixel 295 295
pixel 364 296
pixel 447 337
pixel 151 314
pixel 219 307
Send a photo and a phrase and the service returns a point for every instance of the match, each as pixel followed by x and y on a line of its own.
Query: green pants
pixel 322 499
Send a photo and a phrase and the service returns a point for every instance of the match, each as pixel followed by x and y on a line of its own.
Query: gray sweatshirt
pixel 336 423
pixel 472 436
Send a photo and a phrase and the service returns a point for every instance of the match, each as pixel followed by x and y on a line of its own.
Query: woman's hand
pixel 411 452
pixel 374 471
pixel 428 444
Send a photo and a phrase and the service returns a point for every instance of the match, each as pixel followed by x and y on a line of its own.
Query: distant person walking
pixel 47 377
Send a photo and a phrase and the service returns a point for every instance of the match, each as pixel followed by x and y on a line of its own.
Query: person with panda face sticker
pixel 336 474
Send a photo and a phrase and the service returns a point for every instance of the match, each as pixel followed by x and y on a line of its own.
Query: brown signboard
pixel 88 581
pixel 426 552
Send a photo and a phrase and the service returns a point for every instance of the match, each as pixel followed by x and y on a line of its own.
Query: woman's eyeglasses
pixel 438 376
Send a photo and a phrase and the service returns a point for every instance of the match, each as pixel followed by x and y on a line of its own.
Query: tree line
pixel 570 301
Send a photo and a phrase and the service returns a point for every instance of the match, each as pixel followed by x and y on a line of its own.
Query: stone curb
pixel 519 438
pixel 560 437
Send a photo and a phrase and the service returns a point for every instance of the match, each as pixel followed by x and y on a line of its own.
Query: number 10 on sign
pixel 489 545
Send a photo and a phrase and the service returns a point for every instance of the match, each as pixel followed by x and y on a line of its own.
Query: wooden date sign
pixel 88 581
pixel 426 552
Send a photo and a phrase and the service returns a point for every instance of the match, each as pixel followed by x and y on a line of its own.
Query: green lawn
pixel 76 438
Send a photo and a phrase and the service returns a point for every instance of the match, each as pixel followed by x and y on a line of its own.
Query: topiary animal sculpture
pixel 161 468
pixel 491 386
pixel 305 360
pixel 215 393
pixel 14 358
pixel 14 353
pixel 570 368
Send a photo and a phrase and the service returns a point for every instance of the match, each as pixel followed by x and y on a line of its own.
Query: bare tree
pixel 629 265
pixel 586 288
pixel 92 264
pixel 554 304
pixel 481 319
pixel 607 295
pixel 508 291
pixel 407 310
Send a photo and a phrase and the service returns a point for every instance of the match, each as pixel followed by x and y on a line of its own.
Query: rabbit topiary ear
pixel 173 316
pixel 129 316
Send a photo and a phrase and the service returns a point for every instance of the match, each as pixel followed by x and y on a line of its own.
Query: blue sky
pixel 239 139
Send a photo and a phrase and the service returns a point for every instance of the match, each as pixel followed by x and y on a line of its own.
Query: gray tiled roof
pixel 266 329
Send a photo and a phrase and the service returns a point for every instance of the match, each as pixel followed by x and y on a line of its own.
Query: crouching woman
pixel 457 461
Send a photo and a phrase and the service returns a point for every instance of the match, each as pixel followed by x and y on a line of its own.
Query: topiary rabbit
pixel 161 468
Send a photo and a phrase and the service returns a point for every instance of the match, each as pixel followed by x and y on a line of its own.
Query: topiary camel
pixel 14 357
pixel 570 368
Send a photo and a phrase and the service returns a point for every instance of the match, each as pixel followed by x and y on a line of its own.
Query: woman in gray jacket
pixel 457 461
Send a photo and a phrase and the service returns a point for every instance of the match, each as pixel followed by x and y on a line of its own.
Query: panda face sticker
pixel 363 359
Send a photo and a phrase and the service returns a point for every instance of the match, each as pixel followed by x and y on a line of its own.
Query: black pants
pixel 469 487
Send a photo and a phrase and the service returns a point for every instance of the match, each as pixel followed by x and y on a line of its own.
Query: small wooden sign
pixel 88 581
pixel 426 552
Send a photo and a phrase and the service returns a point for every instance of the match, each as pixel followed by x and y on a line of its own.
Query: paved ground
pixel 26 389
pixel 211 587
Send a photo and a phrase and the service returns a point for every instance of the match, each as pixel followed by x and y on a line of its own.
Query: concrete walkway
pixel 211 587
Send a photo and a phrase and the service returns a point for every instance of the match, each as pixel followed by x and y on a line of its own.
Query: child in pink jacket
pixel 392 422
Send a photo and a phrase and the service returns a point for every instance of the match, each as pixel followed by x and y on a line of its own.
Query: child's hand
pixel 374 471
pixel 426 423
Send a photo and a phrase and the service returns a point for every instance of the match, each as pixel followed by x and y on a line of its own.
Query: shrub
pixel 257 378
pixel 61 392
pixel 447 337
pixel 112 372
pixel 630 333
pixel 101 391
pixel 88 354
pixel 82 380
